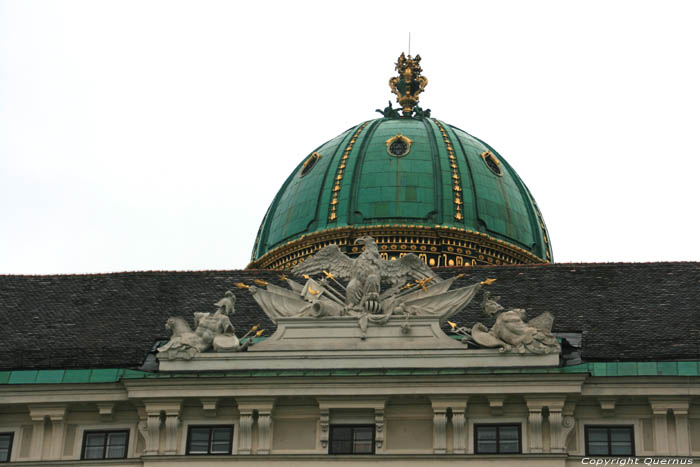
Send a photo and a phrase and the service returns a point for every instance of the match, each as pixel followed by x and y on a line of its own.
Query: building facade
pixel 360 353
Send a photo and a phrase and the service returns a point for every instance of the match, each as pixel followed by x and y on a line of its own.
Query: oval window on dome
pixel 398 146
pixel 309 163
pixel 492 162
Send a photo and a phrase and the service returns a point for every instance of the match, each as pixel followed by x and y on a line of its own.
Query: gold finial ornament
pixel 409 84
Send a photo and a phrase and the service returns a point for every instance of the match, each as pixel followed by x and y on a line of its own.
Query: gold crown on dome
pixel 409 84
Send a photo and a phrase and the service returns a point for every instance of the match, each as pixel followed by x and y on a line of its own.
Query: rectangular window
pixel 351 439
pixel 105 444
pixel 6 446
pixel 497 439
pixel 216 439
pixel 609 440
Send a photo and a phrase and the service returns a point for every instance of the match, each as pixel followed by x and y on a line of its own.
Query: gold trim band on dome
pixel 438 246
pixel 456 188
pixel 335 191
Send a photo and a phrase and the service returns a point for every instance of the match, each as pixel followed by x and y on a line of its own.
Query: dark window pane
pixel 610 441
pixel 199 441
pixel 621 441
pixel 341 447
pixel 95 439
pixel 94 452
pixel 210 440
pixel 487 446
pixel 363 440
pixel 115 452
pixel 598 434
pixel 5 446
pixel 497 439
pixel 351 439
pixel 222 434
pixel 509 447
pixel 486 433
pixel 486 439
pixel 105 444
pixel 508 433
pixel 343 433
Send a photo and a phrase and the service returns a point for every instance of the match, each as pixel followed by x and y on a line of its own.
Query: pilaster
pixel 556 420
pixel 264 431
pixel 660 408
pixel 379 430
pixel 324 427
pixel 172 428
pixel 682 433
pixel 458 407
pixel 568 424
pixel 459 432
pixel 39 414
pixel 245 432
pixel 170 410
pixel 247 407
pixel 440 431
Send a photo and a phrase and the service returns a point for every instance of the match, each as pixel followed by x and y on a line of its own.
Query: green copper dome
pixel 416 184
pixel 447 178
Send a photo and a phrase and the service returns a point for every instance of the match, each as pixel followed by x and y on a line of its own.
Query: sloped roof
pixel 626 311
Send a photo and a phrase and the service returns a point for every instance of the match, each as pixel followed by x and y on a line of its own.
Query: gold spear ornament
pixel 487 282
pixel 260 282
pixel 241 285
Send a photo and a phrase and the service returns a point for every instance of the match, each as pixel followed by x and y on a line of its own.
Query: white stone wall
pixel 285 421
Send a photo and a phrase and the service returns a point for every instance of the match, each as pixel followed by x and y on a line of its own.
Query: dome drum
pixel 438 246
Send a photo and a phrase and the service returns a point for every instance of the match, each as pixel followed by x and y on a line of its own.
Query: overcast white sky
pixel 143 135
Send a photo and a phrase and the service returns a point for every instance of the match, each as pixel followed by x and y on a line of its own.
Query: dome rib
pixel 437 171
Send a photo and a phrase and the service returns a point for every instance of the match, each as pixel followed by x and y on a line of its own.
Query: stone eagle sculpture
pixel 366 272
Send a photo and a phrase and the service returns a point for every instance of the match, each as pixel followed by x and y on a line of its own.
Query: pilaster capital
pixel 661 405
pixel 555 402
pixel 442 403
pixel 169 406
pixel 54 412
pixel 251 404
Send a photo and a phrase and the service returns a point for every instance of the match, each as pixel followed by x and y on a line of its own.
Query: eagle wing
pixel 330 259
pixel 408 267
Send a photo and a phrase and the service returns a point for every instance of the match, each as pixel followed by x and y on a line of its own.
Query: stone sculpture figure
pixel 212 331
pixel 366 272
pixel 512 334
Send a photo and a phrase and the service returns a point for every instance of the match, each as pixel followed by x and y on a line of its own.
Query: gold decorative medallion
pixel 492 162
pixel 309 163
pixel 398 146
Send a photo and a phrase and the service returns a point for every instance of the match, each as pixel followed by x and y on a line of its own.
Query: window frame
pixel 211 431
pixel 498 452
pixel 608 427
pixel 104 452
pixel 11 434
pixel 373 430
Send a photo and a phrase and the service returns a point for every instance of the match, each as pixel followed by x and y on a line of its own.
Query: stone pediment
pixel 325 323
pixel 336 343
